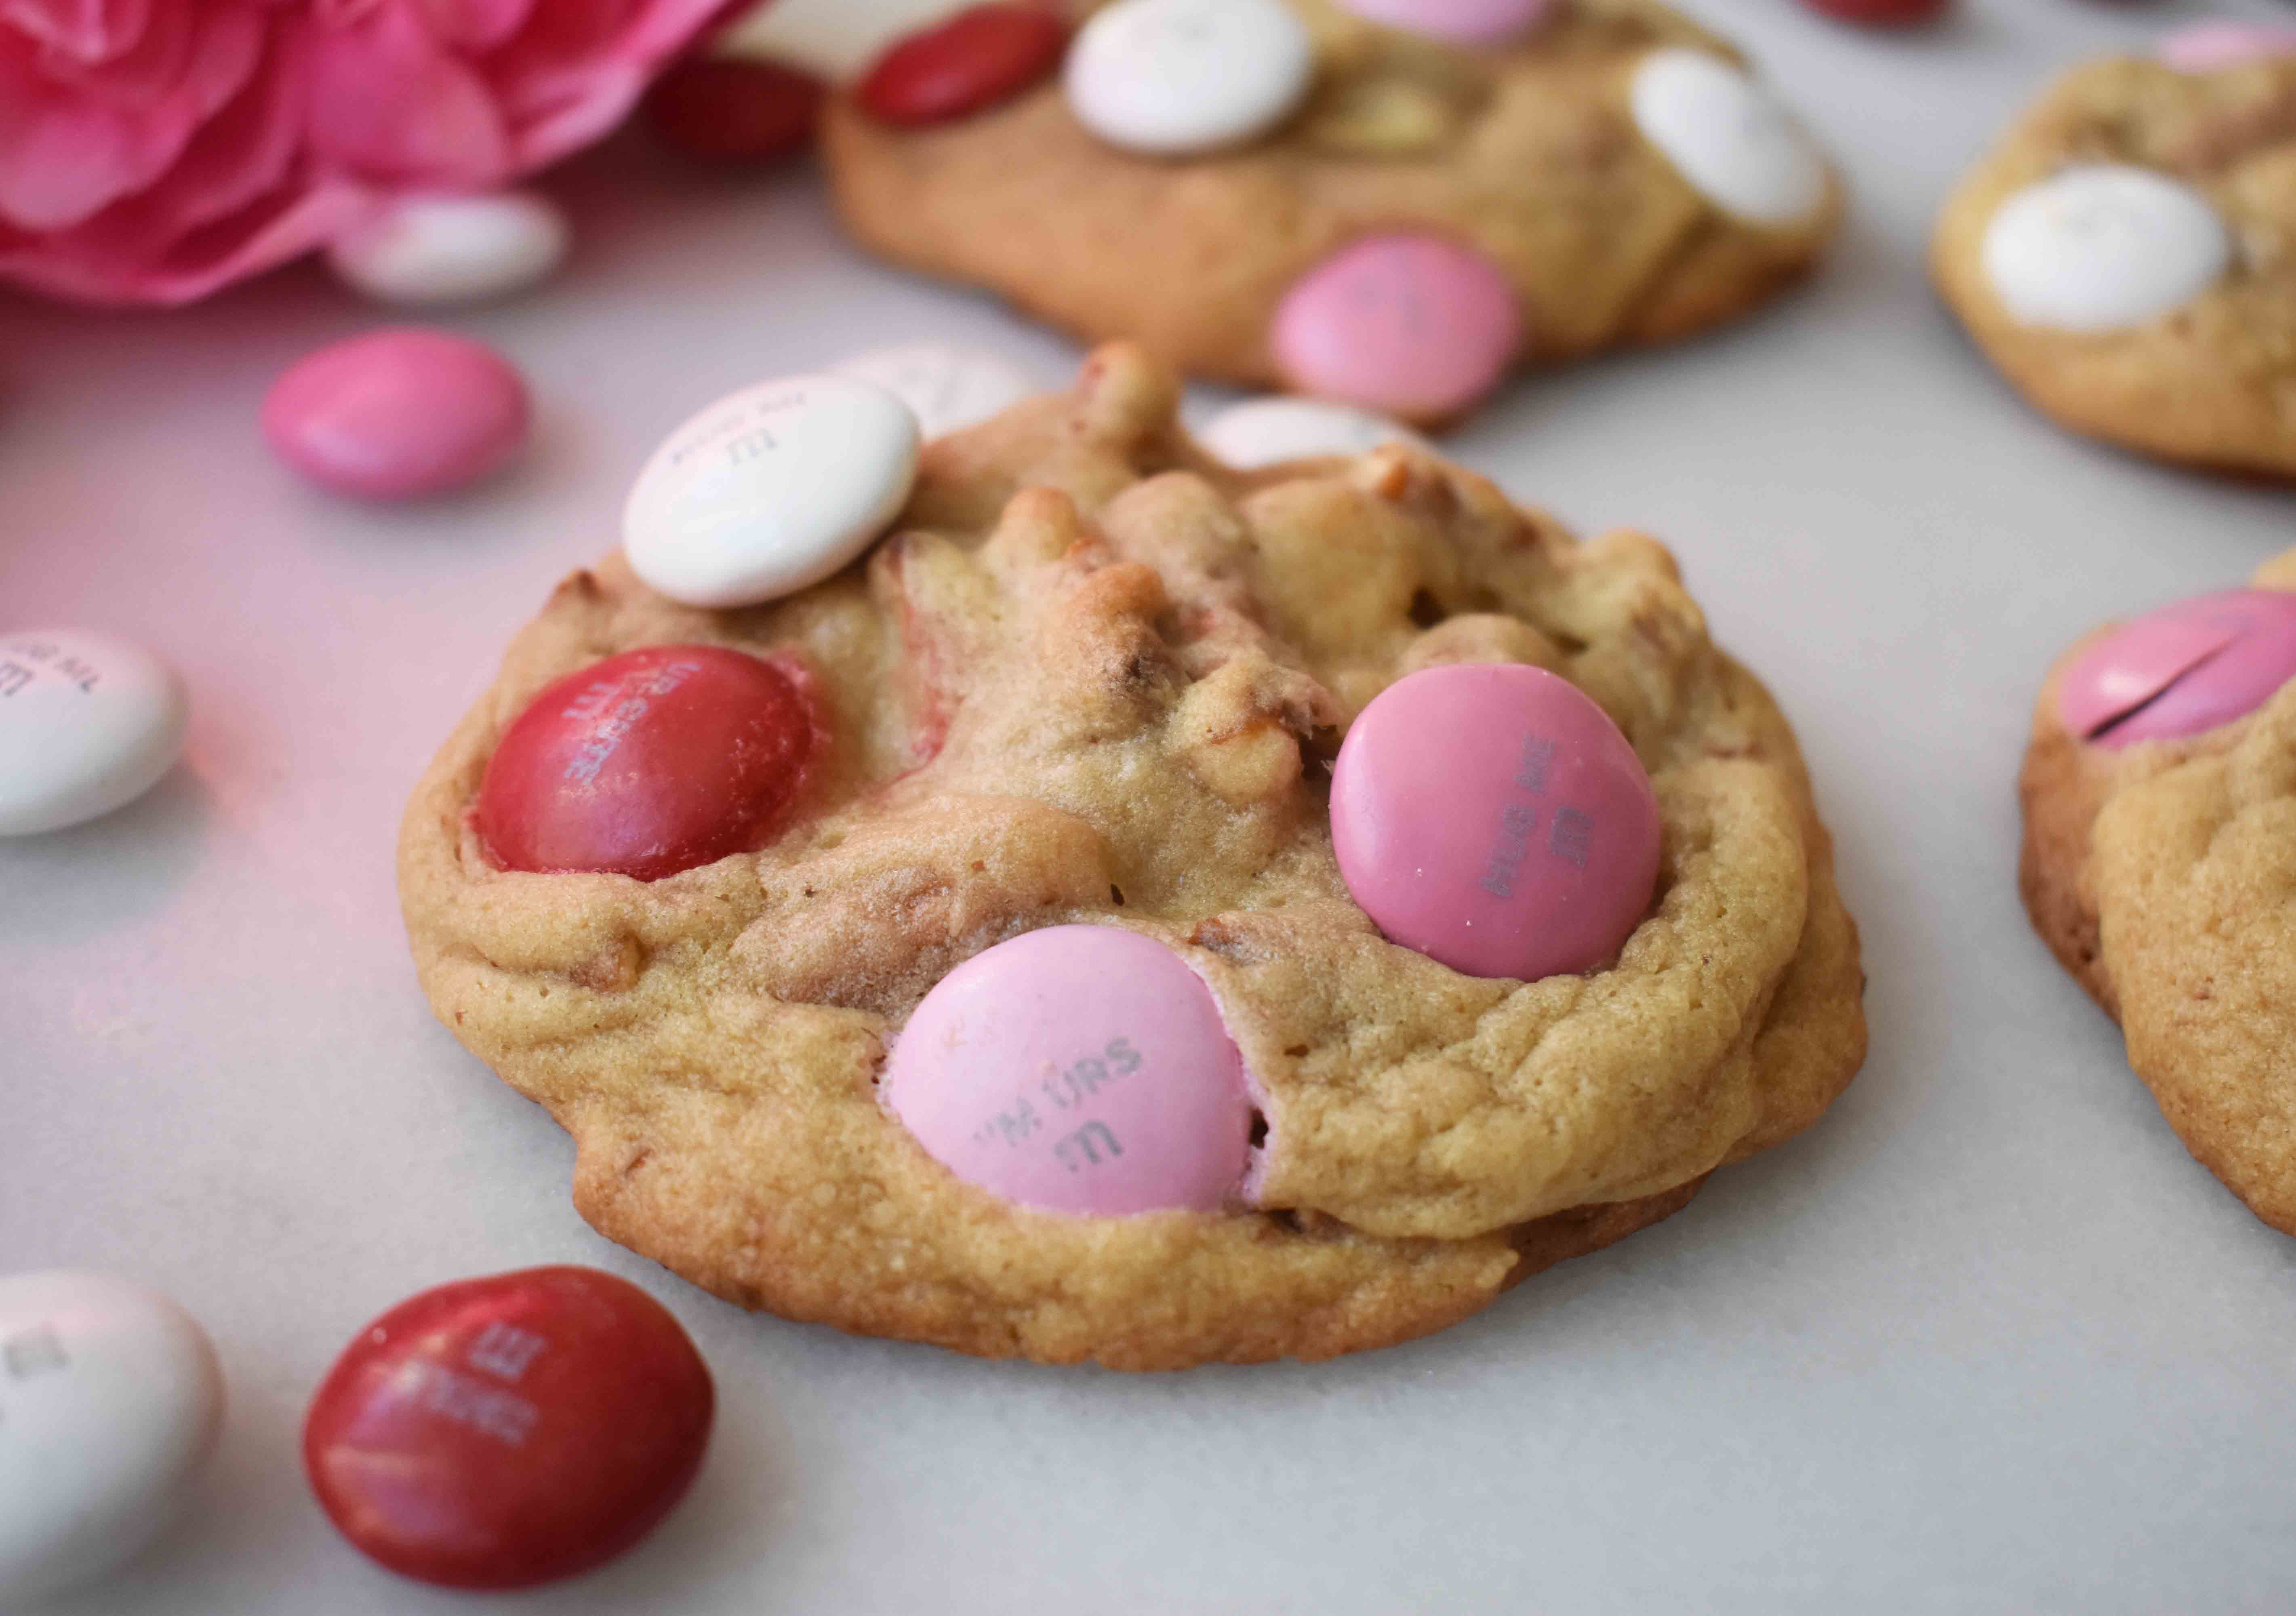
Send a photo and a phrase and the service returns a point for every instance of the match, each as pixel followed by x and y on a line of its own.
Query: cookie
pixel 2159 796
pixel 2126 256
pixel 1050 774
pixel 1388 204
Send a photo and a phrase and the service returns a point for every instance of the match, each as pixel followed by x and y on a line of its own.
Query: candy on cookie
pixel 1386 202
pixel 1214 914
pixel 2157 863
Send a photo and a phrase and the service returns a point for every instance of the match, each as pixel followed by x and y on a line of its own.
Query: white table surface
pixel 1986 1339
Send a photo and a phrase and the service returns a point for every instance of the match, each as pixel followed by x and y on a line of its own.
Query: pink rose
pixel 152 150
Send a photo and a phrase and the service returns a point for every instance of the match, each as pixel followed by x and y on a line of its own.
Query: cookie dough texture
pixel 1529 153
pixel 2163 877
pixel 2212 382
pixel 1093 677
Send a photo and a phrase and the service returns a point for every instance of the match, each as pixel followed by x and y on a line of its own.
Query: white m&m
pixel 449 249
pixel 1174 76
pixel 87 723
pixel 1267 431
pixel 110 1398
pixel 2102 247
pixel 770 489
pixel 1727 136
pixel 946 387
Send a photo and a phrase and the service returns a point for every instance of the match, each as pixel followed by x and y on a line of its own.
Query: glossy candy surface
pixel 1174 76
pixel 505 1432
pixel 1461 21
pixel 1884 14
pixel 397 415
pixel 650 762
pixel 2183 669
pixel 88 723
pixel 1078 1069
pixel 2220 42
pixel 983 56
pixel 725 109
pixel 2102 247
pixel 1729 137
pixel 1492 817
pixel 769 490
pixel 947 388
pixel 1414 325
pixel 110 1400
pixel 1267 431
pixel 452 248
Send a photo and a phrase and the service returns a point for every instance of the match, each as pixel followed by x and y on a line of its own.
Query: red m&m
pixel 729 110
pixel 1883 14
pixel 982 55
pixel 2182 670
pixel 1493 817
pixel 509 1431
pixel 650 762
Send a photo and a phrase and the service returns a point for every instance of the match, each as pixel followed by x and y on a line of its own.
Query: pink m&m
pixel 397 413
pixel 1078 1069
pixel 1492 817
pixel 2210 47
pixel 2182 670
pixel 1464 21
pixel 1415 325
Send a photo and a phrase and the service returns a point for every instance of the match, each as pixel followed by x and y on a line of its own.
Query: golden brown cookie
pixel 1613 173
pixel 1093 676
pixel 2126 254
pixel 2160 864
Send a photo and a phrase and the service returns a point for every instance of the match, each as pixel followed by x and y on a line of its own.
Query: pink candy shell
pixel 1492 817
pixel 1078 1069
pixel 2183 669
pixel 1462 21
pixel 2208 47
pixel 1413 326
pixel 397 413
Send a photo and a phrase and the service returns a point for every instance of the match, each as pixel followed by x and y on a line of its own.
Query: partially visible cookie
pixel 1386 202
pixel 2160 862
pixel 2126 254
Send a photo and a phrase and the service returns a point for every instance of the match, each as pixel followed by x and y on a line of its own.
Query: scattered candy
pixel 110 1400
pixel 833 39
pixel 1267 431
pixel 397 415
pixel 510 1430
pixel 947 388
pixel 1492 817
pixel 1884 14
pixel 2102 247
pixel 724 110
pixel 1174 76
pixel 770 489
pixel 1727 136
pixel 2212 47
pixel 1462 21
pixel 1414 325
pixel 650 762
pixel 1078 1069
pixel 87 723
pixel 2182 670
pixel 432 249
pixel 982 55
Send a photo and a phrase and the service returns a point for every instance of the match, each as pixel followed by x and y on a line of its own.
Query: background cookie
pixel 1092 679
pixel 1362 209
pixel 2125 256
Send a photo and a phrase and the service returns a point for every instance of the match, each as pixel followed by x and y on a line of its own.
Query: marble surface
pixel 1984 1339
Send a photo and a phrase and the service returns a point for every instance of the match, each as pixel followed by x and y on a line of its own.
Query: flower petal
pixel 389 103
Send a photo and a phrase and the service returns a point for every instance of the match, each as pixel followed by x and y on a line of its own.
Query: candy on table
pixel 1078 1069
pixel 770 489
pixel 2102 247
pixel 976 59
pixel 87 723
pixel 1413 325
pixel 449 249
pixel 397 413
pixel 650 762
pixel 1727 136
pixel 1170 77
pixel 833 39
pixel 110 1401
pixel 505 1432
pixel 1267 431
pixel 1884 14
pixel 726 108
pixel 1461 21
pixel 2225 42
pixel 1492 817
pixel 947 386
pixel 2182 670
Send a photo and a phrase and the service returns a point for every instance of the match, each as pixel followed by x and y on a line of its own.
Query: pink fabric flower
pixel 152 150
